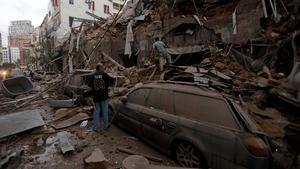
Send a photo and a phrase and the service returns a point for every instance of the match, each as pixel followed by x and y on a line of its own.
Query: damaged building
pixel 230 98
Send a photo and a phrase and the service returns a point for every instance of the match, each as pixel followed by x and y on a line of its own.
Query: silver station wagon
pixel 199 127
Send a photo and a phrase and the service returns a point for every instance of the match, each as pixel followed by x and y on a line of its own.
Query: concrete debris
pixel 64 103
pixel 51 140
pixel 18 122
pixel 64 142
pixel 97 158
pixel 7 159
pixel 246 50
pixel 84 124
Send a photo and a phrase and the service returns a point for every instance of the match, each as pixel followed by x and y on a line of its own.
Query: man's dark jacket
pixel 99 81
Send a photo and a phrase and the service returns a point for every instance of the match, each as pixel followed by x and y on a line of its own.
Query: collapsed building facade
pixel 242 50
pixel 259 35
pixel 249 47
pixel 190 27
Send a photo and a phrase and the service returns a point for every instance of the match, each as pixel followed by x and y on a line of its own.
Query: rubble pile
pixel 244 49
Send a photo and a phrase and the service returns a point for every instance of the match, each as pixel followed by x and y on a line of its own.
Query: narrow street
pixel 39 148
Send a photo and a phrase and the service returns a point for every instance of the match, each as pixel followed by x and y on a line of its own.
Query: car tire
pixel 188 155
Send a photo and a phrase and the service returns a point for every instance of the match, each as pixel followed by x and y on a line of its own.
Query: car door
pixel 216 132
pixel 129 111
pixel 157 129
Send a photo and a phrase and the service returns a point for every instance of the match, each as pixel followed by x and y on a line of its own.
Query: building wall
pixel 5 56
pixel 20 27
pixel 117 5
pixel 20 36
pixel 14 54
pixel 19 40
pixel 65 9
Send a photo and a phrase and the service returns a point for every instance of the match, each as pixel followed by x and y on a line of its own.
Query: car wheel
pixel 187 155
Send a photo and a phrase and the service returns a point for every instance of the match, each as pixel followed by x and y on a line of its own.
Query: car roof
pixel 184 87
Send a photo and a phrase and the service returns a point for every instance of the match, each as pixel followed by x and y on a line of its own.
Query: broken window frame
pixel 106 9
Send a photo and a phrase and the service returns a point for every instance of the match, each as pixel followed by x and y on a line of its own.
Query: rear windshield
pixel 139 96
pixel 202 108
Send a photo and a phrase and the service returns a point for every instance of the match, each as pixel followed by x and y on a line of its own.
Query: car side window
pixel 161 99
pixel 139 96
pixel 202 108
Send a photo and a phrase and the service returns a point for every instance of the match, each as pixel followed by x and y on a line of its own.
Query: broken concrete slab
pixel 64 103
pixel 71 121
pixel 51 140
pixel 21 121
pixel 97 158
pixel 64 142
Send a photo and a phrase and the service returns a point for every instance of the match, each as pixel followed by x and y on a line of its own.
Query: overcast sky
pixel 34 10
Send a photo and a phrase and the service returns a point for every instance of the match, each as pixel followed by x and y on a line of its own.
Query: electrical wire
pixel 67 78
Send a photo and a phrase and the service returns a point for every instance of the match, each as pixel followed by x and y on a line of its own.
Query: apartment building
pixel 5 55
pixel 19 41
pixel 117 5
pixel 65 14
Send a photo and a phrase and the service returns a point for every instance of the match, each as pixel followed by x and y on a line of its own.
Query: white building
pixel 5 55
pixel 117 5
pixel 14 54
pixel 65 13
pixel 20 27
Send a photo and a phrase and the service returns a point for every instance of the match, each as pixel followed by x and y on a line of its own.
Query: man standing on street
pixel 99 83
pixel 164 56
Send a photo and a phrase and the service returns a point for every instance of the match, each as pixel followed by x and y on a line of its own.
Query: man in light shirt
pixel 164 56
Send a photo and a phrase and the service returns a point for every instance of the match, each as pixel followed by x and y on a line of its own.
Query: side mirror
pixel 124 99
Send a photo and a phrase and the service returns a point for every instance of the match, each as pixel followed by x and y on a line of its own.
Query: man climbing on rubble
pixel 164 57
pixel 99 83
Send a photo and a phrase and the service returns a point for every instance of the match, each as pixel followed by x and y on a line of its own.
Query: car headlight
pixel 3 73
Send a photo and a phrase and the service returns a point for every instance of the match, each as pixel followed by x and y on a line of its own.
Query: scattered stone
pixel 135 162
pixel 220 65
pixel 50 140
pixel 40 142
pixel 64 142
pixel 84 124
pixel 97 159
